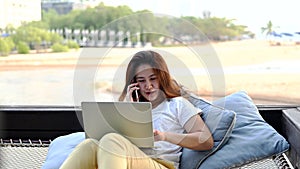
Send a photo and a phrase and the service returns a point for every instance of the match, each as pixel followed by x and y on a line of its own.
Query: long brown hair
pixel 160 68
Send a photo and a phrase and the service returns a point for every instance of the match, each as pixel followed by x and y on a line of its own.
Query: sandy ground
pixel 270 74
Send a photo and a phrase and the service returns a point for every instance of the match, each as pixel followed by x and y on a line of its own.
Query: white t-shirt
pixel 171 115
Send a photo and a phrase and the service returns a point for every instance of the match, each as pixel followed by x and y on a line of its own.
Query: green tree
pixel 269 28
pixel 38 24
pixel 106 17
pixel 35 37
pixel 50 18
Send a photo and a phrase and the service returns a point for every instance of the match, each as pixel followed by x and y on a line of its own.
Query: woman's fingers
pixel 130 89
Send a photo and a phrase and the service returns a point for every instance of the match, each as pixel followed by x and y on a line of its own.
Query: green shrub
pixel 72 45
pixel 55 38
pixel 10 43
pixel 5 48
pixel 23 48
pixel 57 47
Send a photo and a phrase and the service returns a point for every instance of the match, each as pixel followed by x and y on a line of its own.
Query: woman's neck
pixel 158 100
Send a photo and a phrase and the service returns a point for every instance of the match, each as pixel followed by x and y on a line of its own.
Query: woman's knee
pixel 89 143
pixel 118 146
pixel 114 142
pixel 111 138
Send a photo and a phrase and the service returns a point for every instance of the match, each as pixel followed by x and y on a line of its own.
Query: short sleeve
pixel 186 110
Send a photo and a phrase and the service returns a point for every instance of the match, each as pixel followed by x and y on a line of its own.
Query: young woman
pixel 176 123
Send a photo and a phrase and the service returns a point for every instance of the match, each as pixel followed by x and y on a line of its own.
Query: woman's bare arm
pixel 198 136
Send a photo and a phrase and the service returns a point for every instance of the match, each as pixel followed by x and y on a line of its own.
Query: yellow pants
pixel 113 151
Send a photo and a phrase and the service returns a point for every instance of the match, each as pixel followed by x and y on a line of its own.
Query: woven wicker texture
pixel 22 157
pixel 33 158
pixel 262 164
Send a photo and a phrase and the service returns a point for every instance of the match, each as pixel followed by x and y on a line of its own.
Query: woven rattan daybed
pixel 27 131
pixel 31 154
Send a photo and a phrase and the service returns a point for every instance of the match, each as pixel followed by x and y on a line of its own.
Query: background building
pixel 14 12
pixel 66 6
pixel 61 7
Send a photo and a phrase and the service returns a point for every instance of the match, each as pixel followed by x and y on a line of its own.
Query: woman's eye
pixel 140 81
pixel 153 78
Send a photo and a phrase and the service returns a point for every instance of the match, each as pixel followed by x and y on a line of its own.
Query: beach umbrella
pixel 287 34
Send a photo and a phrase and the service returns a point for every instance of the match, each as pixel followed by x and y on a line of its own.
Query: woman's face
pixel 147 82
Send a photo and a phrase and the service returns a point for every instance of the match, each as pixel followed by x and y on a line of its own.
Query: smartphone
pixel 136 96
pixel 135 93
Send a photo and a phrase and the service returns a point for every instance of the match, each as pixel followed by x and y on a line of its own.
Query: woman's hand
pixel 130 89
pixel 158 135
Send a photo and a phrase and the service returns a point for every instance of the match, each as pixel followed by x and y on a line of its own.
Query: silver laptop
pixel 130 119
